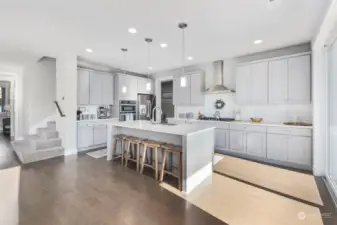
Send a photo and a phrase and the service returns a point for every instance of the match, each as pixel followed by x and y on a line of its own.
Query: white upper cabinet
pixel 142 84
pixel 107 89
pixel 95 89
pixel 188 89
pixel 243 85
pixel 197 88
pixel 259 83
pixel 278 81
pixel 83 92
pixel 299 79
pixel 127 87
pixel 252 84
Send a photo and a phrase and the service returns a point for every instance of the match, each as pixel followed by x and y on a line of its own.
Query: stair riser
pixel 41 155
pixel 49 135
pixel 43 144
pixel 51 126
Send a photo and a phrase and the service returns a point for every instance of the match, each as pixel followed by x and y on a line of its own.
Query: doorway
pixel 167 98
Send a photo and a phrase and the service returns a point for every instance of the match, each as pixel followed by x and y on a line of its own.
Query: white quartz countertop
pixel 177 129
pixel 98 120
pixel 271 124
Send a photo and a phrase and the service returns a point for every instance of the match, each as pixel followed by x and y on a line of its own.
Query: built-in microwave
pixel 127 110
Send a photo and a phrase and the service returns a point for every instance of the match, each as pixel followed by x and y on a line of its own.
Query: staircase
pixel 45 144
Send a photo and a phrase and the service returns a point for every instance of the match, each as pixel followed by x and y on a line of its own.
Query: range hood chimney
pixel 218 87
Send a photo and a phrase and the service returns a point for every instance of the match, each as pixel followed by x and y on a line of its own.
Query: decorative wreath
pixel 219 104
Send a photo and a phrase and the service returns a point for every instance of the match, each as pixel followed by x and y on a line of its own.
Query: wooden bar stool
pixel 149 144
pixel 118 137
pixel 169 148
pixel 131 141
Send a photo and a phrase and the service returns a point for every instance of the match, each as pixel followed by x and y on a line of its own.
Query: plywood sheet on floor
pixel 237 203
pixel 295 184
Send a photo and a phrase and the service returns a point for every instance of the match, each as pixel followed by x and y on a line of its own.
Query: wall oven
pixel 127 110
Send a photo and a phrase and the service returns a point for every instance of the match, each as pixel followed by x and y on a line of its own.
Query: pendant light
pixel 148 83
pixel 183 82
pixel 124 50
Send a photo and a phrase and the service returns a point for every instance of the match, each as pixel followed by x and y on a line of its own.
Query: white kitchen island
pixel 197 141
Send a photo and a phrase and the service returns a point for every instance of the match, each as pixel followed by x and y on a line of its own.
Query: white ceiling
pixel 217 28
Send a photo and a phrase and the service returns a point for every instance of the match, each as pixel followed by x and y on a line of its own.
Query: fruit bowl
pixel 256 120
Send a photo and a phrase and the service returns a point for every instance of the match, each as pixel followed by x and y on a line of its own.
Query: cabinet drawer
pixel 290 131
pixel 243 127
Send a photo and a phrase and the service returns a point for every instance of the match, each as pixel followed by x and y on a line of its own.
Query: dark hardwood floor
pixel 86 191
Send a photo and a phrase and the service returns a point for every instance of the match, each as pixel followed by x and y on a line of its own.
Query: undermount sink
pixel 297 124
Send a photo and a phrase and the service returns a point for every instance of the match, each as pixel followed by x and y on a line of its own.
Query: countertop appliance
pixel 216 119
pixel 103 112
pixel 127 110
pixel 145 105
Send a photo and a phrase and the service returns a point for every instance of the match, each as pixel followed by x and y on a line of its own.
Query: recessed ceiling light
pixel 190 58
pixel 163 45
pixel 258 42
pixel 132 30
pixel 88 50
pixel 150 68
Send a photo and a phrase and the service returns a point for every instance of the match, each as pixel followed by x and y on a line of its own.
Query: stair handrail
pixel 59 109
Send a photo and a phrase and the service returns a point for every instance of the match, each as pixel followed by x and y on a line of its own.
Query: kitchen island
pixel 197 141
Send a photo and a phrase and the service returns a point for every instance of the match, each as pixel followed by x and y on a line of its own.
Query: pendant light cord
pixel 183 52
pixel 148 59
pixel 124 50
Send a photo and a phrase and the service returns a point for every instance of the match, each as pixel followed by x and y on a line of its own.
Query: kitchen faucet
pixel 217 115
pixel 153 110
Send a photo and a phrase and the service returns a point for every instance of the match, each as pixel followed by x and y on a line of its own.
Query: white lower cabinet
pixel 256 144
pixel 100 134
pixel 85 137
pixel 299 150
pixel 237 141
pixel 221 139
pixel 91 135
pixel 291 149
pixel 277 147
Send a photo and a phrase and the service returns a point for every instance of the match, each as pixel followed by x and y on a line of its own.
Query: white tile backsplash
pixel 270 113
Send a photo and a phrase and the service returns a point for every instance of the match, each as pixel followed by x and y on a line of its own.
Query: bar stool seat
pixel 174 149
pixel 129 150
pixel 150 144
pixel 118 137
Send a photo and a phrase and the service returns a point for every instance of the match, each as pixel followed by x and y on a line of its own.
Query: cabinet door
pixel 95 88
pixel 237 141
pixel 197 88
pixel 141 86
pixel 185 92
pixel 100 134
pixel 107 89
pixel 259 83
pixel 85 135
pixel 176 91
pixel 299 80
pixel 299 150
pixel 222 139
pixel 127 87
pixel 277 147
pixel 256 144
pixel 278 81
pixel 132 86
pixel 243 85
pixel 83 92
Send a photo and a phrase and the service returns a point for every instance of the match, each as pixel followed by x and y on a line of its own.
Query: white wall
pixel 66 95
pixel 39 88
pixel 270 113
pixel 325 36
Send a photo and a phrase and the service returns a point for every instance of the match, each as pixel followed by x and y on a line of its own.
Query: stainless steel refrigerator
pixel 145 104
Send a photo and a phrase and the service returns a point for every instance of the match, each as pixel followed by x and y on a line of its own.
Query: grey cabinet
pixel 256 144
pixel 85 136
pixel 126 87
pixel 95 89
pixel 299 150
pixel 277 147
pixel 252 84
pixel 188 89
pixel 107 89
pixel 100 134
pixel 278 81
pixel 237 141
pixel 83 84
pixel 299 80
pixel 222 139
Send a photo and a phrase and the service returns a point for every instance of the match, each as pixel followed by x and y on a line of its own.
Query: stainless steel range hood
pixel 218 87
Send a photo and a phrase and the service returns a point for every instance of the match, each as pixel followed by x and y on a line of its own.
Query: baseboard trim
pixel 72 151
pixel 197 178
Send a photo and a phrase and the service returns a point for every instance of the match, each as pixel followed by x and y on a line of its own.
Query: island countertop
pixel 177 129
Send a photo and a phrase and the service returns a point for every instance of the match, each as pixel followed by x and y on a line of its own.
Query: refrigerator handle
pixel 148 109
